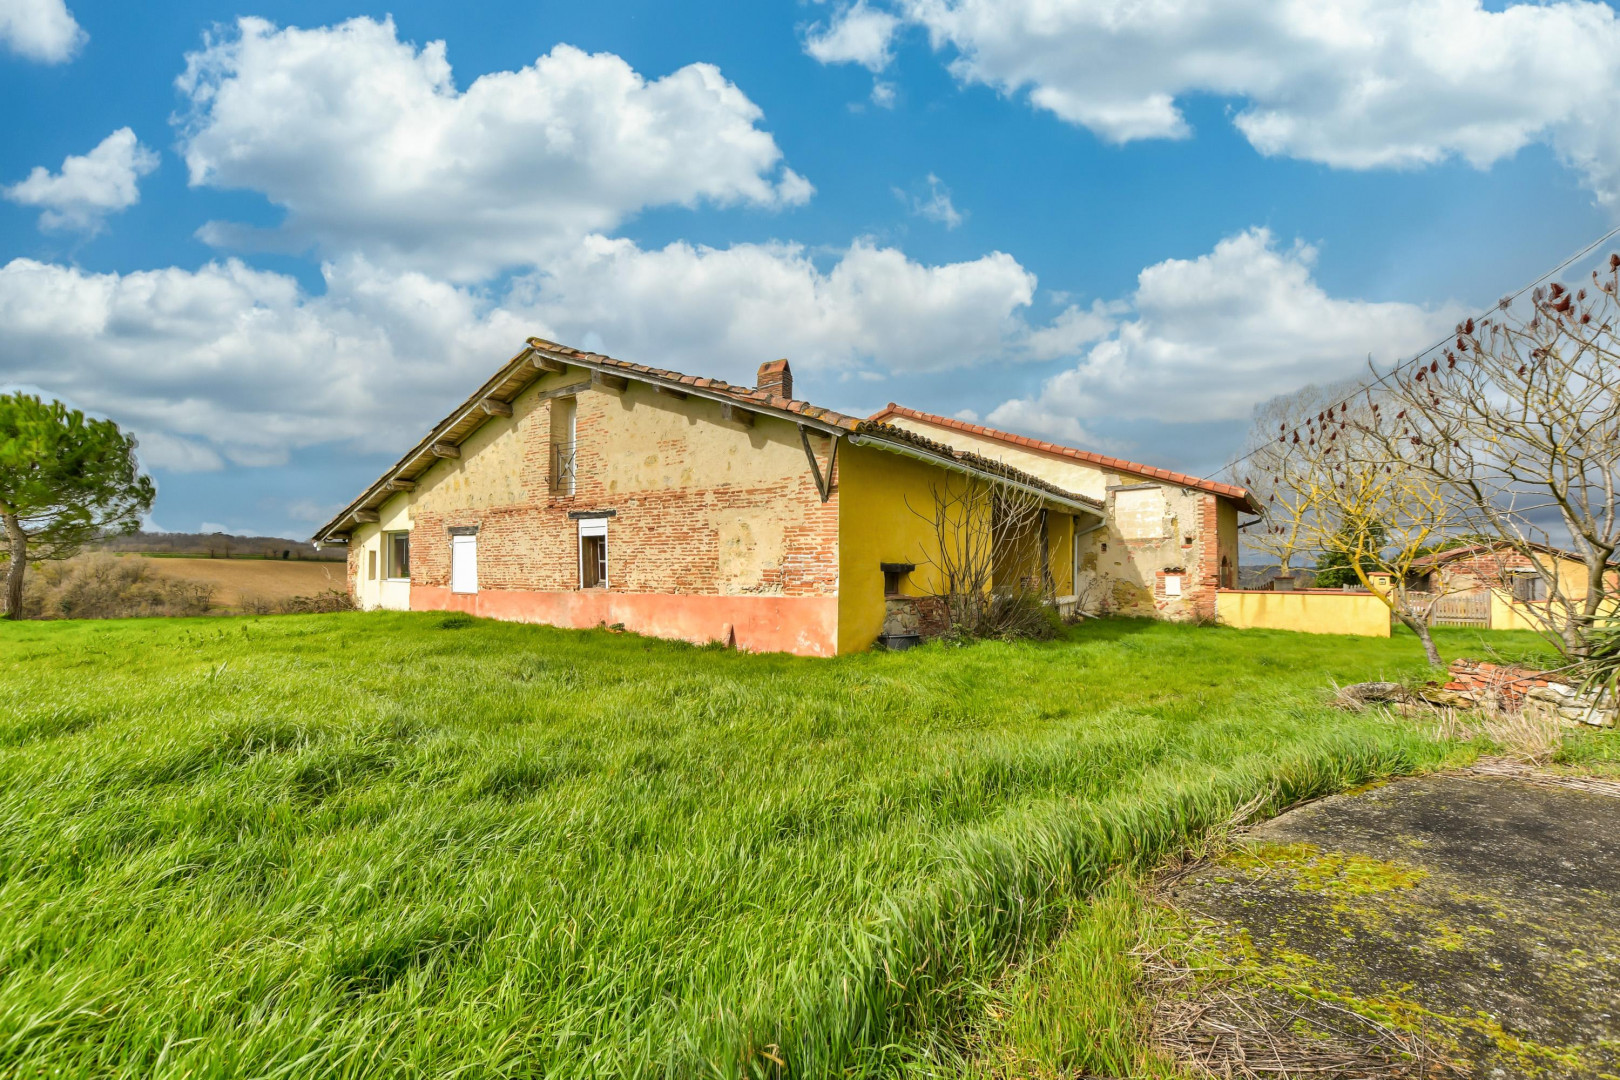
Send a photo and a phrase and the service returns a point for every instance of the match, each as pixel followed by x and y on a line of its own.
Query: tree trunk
pixel 17 542
pixel 1420 627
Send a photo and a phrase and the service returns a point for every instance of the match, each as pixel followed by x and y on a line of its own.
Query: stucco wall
pixel 366 545
pixel 1159 531
pixel 1309 611
pixel 885 515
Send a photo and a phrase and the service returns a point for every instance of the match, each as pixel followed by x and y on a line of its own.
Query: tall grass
pixel 381 844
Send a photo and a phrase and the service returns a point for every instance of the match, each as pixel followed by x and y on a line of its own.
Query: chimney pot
pixel 775 378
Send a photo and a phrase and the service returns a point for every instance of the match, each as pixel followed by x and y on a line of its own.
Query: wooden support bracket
pixel 736 414
pixel 823 482
pixel 401 485
pixel 367 517
pixel 492 407
pixel 601 380
pixel 547 366
pixel 445 450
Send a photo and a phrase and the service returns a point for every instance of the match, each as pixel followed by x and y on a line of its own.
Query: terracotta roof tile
pixel 1215 487
pixel 747 394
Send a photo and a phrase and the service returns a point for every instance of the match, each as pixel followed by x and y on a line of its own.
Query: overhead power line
pixel 1442 343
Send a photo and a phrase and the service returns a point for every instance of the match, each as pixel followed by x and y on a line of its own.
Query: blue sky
pixel 280 249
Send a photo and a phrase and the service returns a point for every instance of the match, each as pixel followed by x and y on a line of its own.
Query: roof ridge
pixel 747 395
pixel 1217 487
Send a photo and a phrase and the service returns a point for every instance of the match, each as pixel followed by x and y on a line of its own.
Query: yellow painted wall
pixel 1307 611
pixel 1226 528
pixel 369 592
pixel 885 514
pixel 1506 614
pixel 1127 556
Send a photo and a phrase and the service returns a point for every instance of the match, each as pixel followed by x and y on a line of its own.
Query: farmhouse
pixel 1169 540
pixel 578 490
pixel 1498 587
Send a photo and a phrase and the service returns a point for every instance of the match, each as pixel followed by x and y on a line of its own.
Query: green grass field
pixel 424 845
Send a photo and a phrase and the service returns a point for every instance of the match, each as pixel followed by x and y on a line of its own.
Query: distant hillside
pixel 223 546
pixel 1260 576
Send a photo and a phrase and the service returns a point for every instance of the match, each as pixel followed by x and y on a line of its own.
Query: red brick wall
pixel 662 539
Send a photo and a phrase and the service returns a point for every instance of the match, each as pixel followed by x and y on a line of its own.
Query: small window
pixel 593 554
pixel 1529 588
pixel 371 564
pixel 397 553
pixel 463 563
pixel 564 447
pixel 895 576
pixel 1172 584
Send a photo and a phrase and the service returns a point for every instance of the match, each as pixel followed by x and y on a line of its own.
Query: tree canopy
pixel 65 480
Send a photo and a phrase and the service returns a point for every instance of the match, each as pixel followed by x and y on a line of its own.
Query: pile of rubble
pixel 1539 694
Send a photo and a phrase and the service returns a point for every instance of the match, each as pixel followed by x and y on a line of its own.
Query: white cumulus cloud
pixel 232 364
pixel 1350 83
pixel 89 187
pixel 722 311
pixel 370 147
pixel 856 34
pixel 1208 338
pixel 42 30
pixel 936 205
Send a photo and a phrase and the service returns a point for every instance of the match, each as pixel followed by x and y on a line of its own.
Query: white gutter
pixel 962 467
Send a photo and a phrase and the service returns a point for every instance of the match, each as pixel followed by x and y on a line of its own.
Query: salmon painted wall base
pixel 804 625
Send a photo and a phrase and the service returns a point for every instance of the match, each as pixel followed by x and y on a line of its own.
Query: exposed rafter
pixel 823 482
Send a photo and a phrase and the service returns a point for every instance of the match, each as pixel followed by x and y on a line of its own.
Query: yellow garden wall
pixel 1308 611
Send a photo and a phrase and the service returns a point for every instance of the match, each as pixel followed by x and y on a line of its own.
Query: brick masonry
pixel 699 508
pixel 1506 683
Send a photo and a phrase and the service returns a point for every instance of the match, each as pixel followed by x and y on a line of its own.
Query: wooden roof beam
pixel 545 365
pixel 736 414
pixel 670 391
pixel 400 485
pixel 601 380
pixel 445 450
pixel 492 407
pixel 367 517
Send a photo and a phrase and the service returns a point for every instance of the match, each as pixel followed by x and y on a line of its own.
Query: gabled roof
pixel 526 367
pixel 1461 551
pixel 1237 494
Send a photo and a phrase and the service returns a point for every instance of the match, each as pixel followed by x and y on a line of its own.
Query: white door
pixel 464 564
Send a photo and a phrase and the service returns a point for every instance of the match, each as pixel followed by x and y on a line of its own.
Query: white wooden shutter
pixel 464 564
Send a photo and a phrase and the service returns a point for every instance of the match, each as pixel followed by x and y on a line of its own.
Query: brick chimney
pixel 775 378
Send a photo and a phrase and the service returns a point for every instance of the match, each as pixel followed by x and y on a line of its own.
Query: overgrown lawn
pixel 393 844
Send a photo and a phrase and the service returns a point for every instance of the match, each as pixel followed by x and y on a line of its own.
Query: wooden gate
pixel 1473 610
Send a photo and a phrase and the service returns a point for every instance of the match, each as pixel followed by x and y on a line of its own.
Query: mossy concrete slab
pixel 1478 911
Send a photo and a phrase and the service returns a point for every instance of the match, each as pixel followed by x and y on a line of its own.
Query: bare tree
pixel 1521 418
pixel 1331 489
pixel 988 555
pixel 1270 461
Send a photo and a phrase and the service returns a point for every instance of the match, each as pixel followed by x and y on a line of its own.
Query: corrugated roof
pixel 520 371
pixel 1135 468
